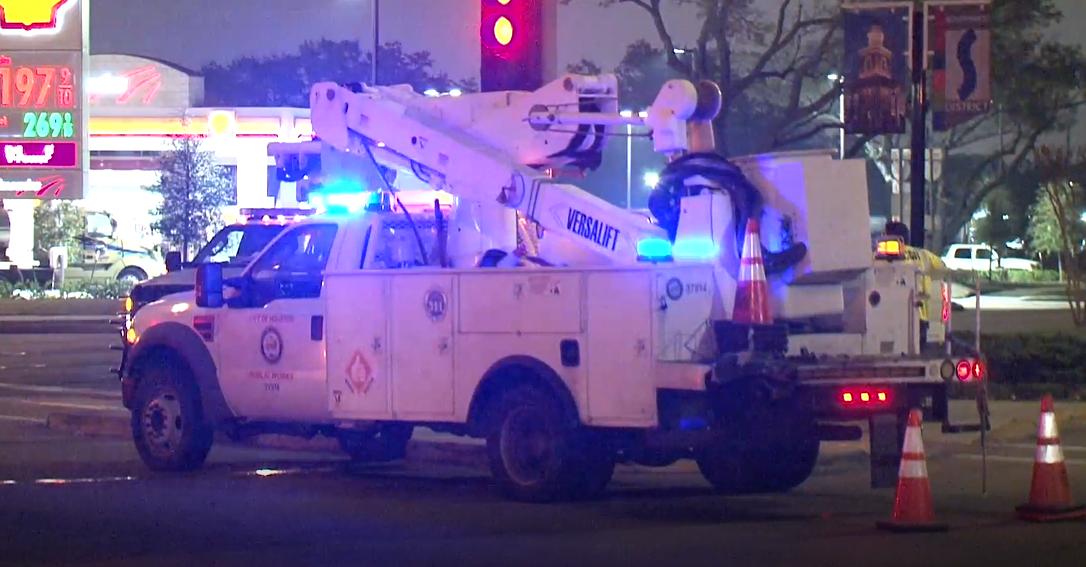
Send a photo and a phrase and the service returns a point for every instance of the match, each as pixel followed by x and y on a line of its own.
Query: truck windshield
pixel 236 245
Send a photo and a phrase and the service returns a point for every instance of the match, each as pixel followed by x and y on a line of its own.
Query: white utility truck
pixel 569 333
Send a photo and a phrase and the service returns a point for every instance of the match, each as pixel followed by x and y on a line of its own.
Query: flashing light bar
pixel 695 249
pixel 356 201
pixel 272 216
pixel 890 249
pixel 654 249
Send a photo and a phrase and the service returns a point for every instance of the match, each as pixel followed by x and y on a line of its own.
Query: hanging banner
pixel 878 49
pixel 960 42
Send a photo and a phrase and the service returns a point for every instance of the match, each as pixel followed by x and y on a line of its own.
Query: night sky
pixel 194 32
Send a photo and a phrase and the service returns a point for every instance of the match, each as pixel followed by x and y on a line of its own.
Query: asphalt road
pixel 88 501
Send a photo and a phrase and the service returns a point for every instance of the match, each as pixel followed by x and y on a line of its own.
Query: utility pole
pixel 376 17
pixel 919 131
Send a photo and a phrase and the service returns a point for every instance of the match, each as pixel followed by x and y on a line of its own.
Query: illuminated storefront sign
pixel 43 125
pixel 31 15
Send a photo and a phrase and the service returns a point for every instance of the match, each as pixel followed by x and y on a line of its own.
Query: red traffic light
pixel 514 37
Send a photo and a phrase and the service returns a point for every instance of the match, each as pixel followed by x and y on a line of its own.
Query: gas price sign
pixel 42 121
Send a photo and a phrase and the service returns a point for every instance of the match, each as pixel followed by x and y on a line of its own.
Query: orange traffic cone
pixel 1050 492
pixel 752 294
pixel 913 508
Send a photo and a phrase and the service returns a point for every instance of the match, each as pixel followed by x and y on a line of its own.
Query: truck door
pixel 272 354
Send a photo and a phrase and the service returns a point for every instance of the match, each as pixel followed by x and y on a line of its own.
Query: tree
pixel 58 223
pixel 771 65
pixel 1036 92
pixel 284 80
pixel 194 190
pixel 1062 185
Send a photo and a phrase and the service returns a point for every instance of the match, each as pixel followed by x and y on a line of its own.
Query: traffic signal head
pixel 515 36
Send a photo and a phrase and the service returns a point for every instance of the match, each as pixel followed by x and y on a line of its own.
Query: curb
pixel 457 453
pixel 63 307
pixel 51 326
pixel 91 425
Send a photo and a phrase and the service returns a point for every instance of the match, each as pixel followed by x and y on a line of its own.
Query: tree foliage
pixel 1037 89
pixel 284 80
pixel 194 190
pixel 772 59
pixel 770 62
pixel 58 223
pixel 1063 173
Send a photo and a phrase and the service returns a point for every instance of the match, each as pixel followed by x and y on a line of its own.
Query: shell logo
pixel 27 15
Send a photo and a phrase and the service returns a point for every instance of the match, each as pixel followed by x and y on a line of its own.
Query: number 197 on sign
pixel 48 125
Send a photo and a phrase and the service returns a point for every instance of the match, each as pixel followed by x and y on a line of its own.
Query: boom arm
pixel 499 147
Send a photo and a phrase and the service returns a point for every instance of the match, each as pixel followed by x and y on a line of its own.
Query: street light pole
pixel 841 116
pixel 839 81
pixel 376 17
pixel 629 158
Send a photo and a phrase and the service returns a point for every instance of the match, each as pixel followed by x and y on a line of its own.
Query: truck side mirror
pixel 173 261
pixel 209 285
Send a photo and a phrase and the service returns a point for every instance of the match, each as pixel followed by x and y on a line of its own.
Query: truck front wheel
pixel 536 456
pixel 167 421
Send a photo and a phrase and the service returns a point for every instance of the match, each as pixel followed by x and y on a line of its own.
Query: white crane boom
pixel 501 148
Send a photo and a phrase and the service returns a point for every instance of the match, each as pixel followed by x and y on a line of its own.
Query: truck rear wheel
pixel 535 456
pixel 167 421
pixel 775 451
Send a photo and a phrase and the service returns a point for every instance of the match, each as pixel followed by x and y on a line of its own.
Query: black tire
pixel 534 453
pixel 775 451
pixel 168 425
pixel 133 275
pixel 387 442
pixel 594 469
pixel 728 465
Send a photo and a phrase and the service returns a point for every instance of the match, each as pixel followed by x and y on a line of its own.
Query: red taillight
pixel 864 397
pixel 964 370
pixel 968 370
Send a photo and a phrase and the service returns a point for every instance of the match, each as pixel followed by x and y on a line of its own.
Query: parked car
pixel 5 233
pixel 106 255
pixel 982 258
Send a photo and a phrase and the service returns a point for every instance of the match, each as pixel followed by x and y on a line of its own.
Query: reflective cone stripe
pixel 752 293
pixel 913 506
pixel 1050 489
pixel 1049 451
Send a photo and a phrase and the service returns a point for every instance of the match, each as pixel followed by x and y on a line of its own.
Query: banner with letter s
pixel 960 41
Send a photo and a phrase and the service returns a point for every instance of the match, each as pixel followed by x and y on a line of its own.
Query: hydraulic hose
pixel 664 201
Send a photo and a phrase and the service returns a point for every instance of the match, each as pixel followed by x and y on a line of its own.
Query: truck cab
pixel 234 246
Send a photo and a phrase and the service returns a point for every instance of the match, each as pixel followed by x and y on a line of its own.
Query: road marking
pixel 22 419
pixel 72 406
pixel 1031 446
pixel 61 390
pixel 1005 459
